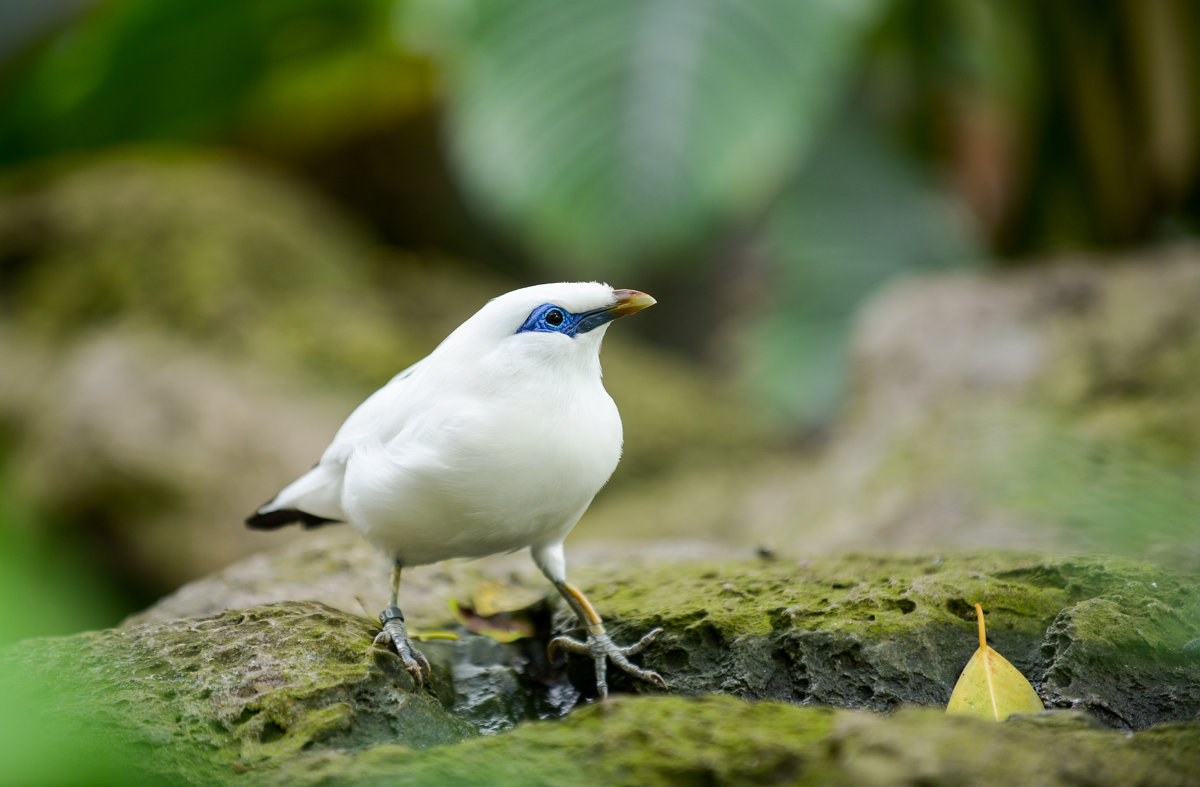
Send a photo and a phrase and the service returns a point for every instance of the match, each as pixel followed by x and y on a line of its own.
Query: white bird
pixel 497 440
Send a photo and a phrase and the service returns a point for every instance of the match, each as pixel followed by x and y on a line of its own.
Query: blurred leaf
pixel 283 74
pixel 318 104
pixel 990 687
pixel 23 21
pixel 47 587
pixel 429 635
pixel 609 131
pixel 857 216
pixel 499 610
pixel 493 597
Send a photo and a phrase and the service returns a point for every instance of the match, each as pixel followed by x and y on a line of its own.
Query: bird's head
pixel 552 321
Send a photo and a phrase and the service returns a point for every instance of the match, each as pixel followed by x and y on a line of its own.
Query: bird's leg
pixel 395 634
pixel 599 645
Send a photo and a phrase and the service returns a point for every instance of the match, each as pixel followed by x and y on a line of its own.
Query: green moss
pixel 242 689
pixel 879 632
pixel 871 595
pixel 720 740
pixel 292 693
pixel 661 740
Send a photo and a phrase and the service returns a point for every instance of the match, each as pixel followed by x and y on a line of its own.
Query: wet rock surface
pixel 293 692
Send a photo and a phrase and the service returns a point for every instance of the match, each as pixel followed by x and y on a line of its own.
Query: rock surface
pixel 199 698
pixel 293 692
pixel 1054 408
pixel 1098 634
pixel 721 740
pixel 335 566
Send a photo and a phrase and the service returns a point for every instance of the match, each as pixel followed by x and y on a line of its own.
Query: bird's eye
pixel 554 318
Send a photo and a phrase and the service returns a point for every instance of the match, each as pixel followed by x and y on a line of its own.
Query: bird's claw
pixel 394 637
pixel 601 648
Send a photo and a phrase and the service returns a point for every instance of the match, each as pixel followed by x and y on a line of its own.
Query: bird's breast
pixel 556 452
pixel 480 475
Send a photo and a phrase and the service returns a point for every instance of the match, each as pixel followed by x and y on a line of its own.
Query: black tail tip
pixel 272 520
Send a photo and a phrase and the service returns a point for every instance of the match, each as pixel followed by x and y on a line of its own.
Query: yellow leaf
pixel 492 597
pixel 991 688
pixel 498 610
pixel 502 627
pixel 432 634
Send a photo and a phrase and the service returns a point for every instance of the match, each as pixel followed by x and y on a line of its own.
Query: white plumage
pixel 497 440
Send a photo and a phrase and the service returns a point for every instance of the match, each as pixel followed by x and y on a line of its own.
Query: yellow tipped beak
pixel 630 302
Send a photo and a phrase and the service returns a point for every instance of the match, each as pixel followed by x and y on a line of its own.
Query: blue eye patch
pixel 549 318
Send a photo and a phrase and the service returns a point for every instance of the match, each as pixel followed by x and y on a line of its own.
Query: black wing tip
pixel 271 520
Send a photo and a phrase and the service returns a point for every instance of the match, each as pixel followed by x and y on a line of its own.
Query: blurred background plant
pixel 206 206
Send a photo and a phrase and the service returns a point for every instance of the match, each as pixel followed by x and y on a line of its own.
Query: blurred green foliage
pixel 613 133
pixel 803 153
pixel 280 76
pixel 48 588
pixel 826 258
pixel 1059 125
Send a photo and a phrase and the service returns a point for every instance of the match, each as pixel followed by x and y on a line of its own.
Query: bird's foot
pixel 601 648
pixel 394 636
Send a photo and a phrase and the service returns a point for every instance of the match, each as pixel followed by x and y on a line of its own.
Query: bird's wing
pixel 378 419
pixel 316 497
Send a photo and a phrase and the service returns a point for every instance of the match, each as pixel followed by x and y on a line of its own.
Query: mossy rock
pixel 201 698
pixel 1100 634
pixel 294 693
pixel 1055 407
pixel 725 741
